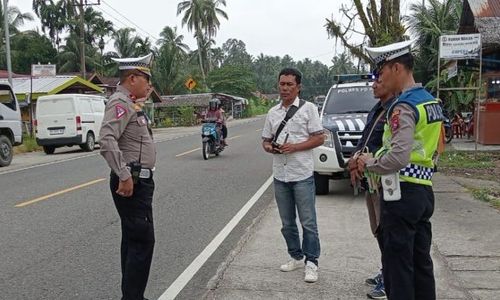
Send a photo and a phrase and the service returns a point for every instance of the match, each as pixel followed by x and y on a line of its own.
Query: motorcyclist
pixel 215 113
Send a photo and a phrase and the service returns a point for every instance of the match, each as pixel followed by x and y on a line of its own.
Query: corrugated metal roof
pixel 40 85
pixel 485 8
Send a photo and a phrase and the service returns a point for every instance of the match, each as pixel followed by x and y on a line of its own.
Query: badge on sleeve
pixel 120 111
pixel 394 122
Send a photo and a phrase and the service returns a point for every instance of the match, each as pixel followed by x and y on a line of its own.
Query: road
pixel 60 233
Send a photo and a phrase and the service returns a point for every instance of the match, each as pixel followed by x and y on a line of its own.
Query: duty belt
pixel 145 173
pixel 416 171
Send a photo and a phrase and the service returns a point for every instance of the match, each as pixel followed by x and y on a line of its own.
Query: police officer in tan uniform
pixel 127 146
pixel 405 166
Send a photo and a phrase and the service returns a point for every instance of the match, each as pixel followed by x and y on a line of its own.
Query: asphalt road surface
pixel 60 233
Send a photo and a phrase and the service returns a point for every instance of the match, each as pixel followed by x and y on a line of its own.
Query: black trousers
pixel 406 238
pixel 136 215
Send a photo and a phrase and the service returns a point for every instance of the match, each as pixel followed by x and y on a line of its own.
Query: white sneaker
pixel 311 272
pixel 292 264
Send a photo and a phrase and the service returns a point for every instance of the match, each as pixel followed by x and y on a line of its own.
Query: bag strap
pixel 289 114
pixel 371 130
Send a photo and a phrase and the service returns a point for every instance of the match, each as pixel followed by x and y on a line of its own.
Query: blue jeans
pixel 298 196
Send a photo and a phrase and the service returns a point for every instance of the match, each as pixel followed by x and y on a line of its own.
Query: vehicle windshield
pixel 344 100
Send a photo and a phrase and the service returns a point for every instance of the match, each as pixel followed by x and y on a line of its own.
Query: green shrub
pixel 187 117
pixel 29 145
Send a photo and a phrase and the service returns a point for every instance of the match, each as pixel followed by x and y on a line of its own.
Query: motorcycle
pixel 211 139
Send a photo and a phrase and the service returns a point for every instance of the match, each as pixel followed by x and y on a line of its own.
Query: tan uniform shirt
pixel 401 144
pixel 123 127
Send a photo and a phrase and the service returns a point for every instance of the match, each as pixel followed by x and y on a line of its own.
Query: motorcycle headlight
pixel 328 138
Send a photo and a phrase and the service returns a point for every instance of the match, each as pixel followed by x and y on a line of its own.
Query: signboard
pixel 43 70
pixel 190 83
pixel 459 46
pixel 452 70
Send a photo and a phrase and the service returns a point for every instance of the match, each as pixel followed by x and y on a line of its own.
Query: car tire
pixel 89 143
pixel 321 183
pixel 49 149
pixel 6 151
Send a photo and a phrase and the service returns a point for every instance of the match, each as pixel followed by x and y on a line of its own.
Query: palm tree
pixel 428 24
pixel 143 46
pixel 15 19
pixel 55 17
pixel 168 36
pixel 125 44
pixel 201 16
pixel 69 57
pixel 342 64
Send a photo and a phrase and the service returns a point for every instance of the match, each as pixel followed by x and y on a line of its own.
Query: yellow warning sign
pixel 190 83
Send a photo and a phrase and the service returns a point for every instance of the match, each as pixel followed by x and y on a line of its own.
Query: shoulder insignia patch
pixel 120 111
pixel 394 122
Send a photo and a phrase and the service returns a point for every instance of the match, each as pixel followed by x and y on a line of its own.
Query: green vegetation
pixel 466 160
pixel 488 195
pixel 257 107
pixel 29 145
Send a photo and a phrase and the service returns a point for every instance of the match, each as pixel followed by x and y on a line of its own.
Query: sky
pixel 271 27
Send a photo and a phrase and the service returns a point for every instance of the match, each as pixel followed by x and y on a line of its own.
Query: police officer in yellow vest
pixel 404 168
pixel 127 146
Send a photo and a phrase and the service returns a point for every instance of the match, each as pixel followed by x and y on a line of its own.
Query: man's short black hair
pixel 292 71
pixel 406 60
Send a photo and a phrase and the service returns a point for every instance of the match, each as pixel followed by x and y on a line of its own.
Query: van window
pixel 55 107
pixel 7 98
pixel 97 105
pixel 84 106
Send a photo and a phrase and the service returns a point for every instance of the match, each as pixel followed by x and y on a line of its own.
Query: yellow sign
pixel 190 83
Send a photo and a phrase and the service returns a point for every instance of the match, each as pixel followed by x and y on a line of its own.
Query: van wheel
pixel 89 144
pixel 5 151
pixel 321 183
pixel 49 149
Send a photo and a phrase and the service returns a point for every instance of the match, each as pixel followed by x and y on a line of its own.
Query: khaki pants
pixel 373 205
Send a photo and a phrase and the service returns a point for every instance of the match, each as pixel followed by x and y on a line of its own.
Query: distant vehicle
pixel 11 133
pixel 68 120
pixel 343 116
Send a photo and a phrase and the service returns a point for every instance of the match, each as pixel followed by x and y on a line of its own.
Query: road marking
pixel 187 152
pixel 260 129
pixel 48 163
pixel 60 192
pixel 234 137
pixel 176 287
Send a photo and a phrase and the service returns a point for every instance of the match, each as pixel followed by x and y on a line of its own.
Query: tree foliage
pixel 29 48
pixel 232 79
pixel 381 22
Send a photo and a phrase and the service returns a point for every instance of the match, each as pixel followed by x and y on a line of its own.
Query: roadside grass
pixel 481 165
pixel 467 159
pixel 487 195
pixel 29 145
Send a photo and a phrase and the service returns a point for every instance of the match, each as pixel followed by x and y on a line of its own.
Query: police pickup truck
pixel 343 116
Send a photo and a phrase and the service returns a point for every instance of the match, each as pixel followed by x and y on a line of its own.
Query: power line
pixel 118 20
pixel 137 26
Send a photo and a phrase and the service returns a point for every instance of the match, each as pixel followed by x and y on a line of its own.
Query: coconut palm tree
pixel 125 44
pixel 202 17
pixel 69 57
pixel 168 36
pixel 15 19
pixel 427 23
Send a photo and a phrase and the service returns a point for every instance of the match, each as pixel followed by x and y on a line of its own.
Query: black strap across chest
pixel 289 114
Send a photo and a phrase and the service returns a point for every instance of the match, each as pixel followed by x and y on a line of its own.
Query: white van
pixel 68 120
pixel 10 124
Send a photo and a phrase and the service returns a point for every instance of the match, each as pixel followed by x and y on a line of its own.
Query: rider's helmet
pixel 214 104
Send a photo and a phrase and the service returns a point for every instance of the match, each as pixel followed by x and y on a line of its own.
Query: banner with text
pixel 459 46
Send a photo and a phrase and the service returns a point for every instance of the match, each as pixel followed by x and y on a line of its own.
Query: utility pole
pixel 81 8
pixel 7 40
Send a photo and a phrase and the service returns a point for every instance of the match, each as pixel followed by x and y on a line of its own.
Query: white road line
pixel 187 152
pixel 48 163
pixel 176 287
